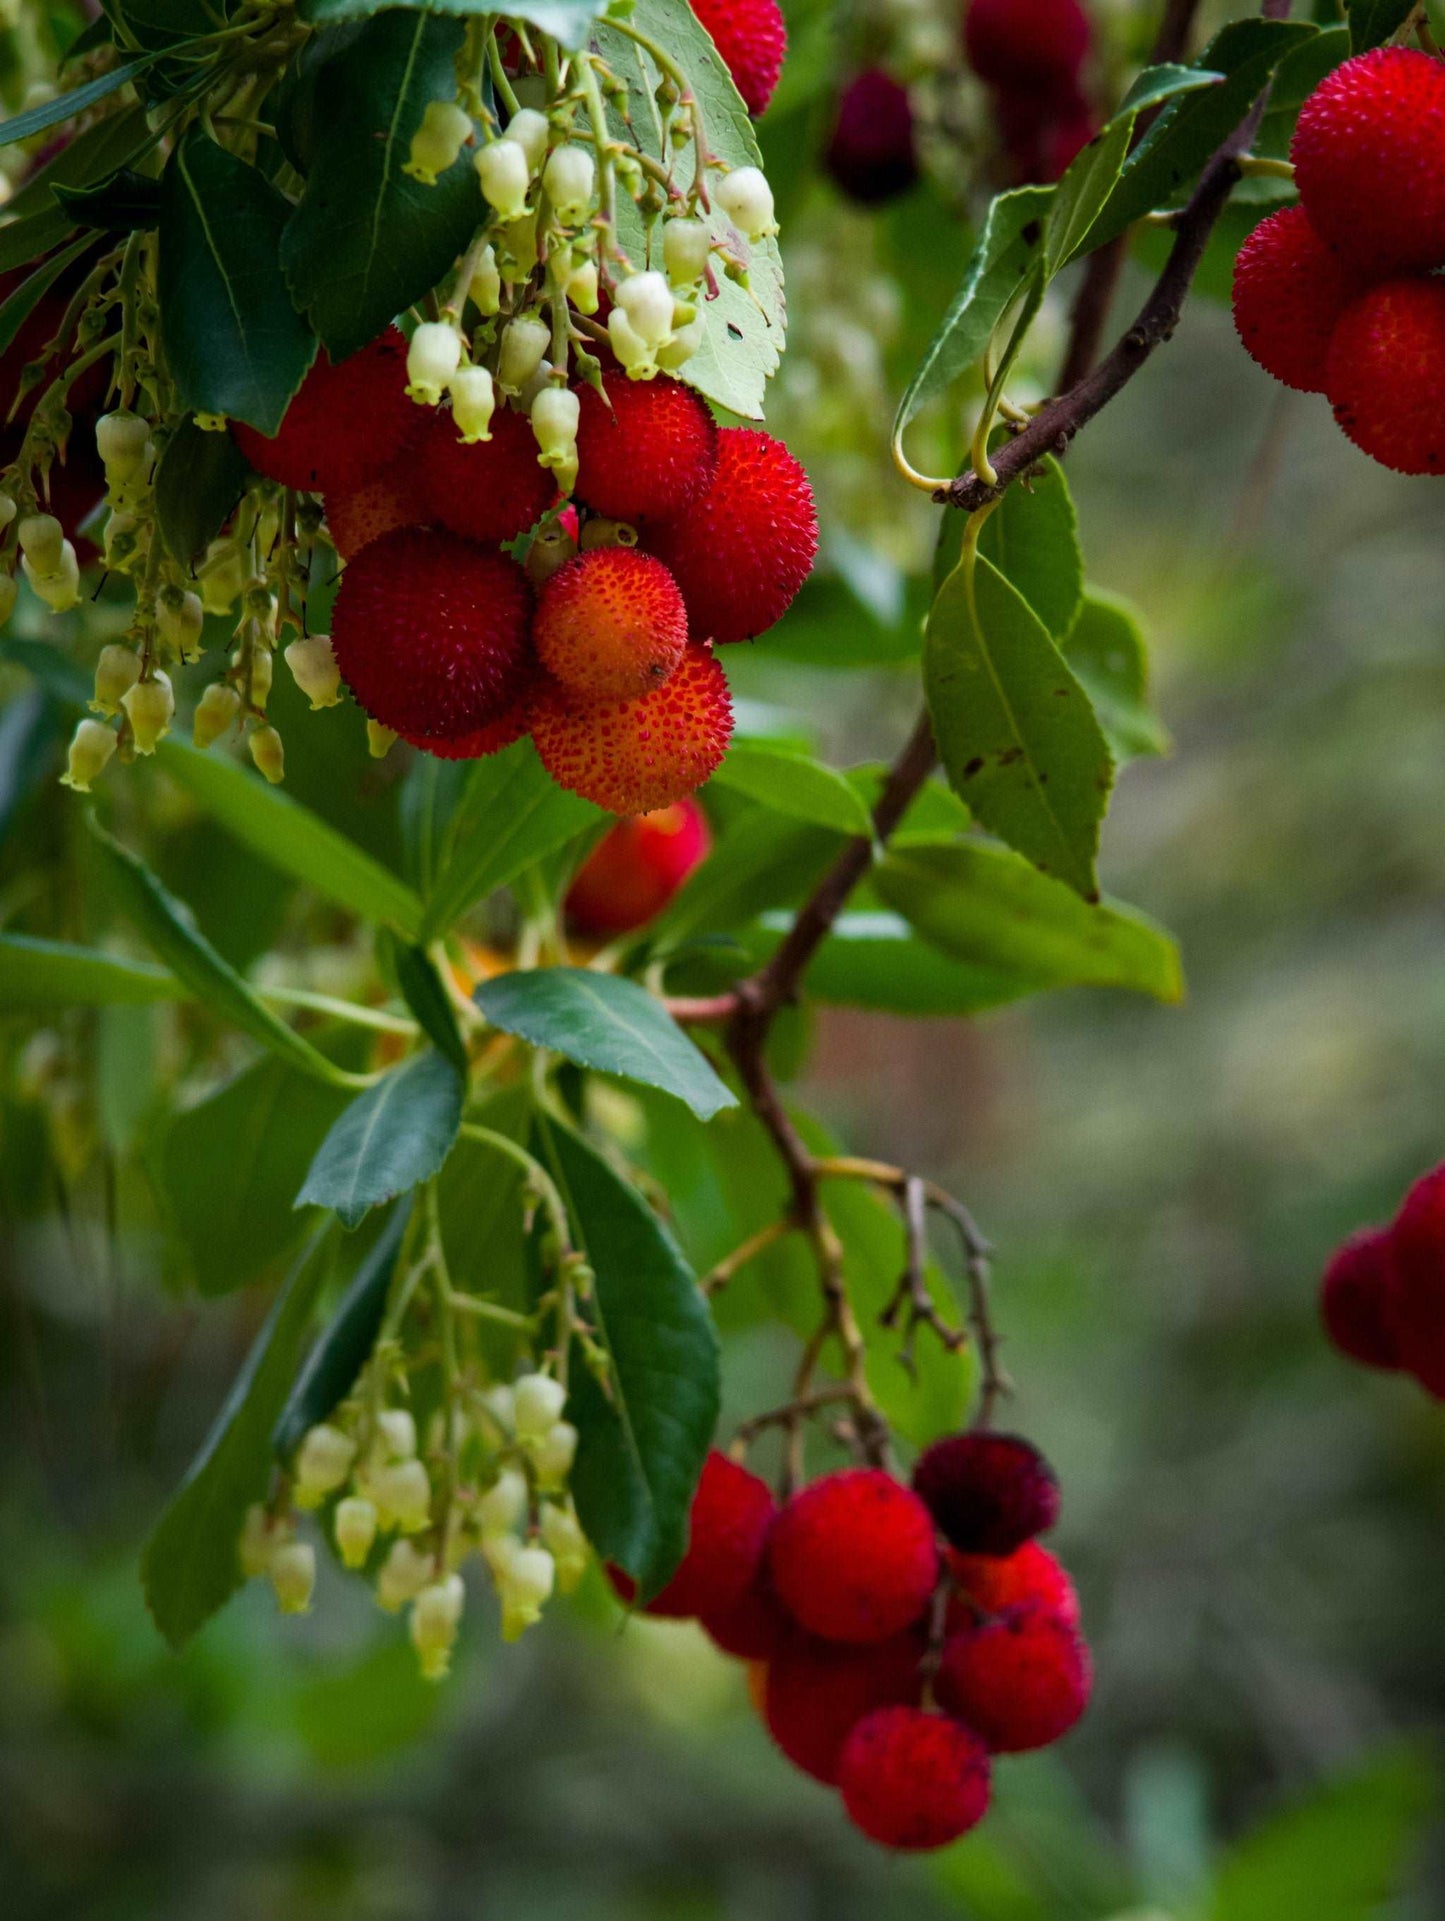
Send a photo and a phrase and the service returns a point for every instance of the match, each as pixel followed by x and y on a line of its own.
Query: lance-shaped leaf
pixel 390 1139
pixel 1105 648
pixel 1032 537
pixel 198 482
pixel 52 973
pixel 69 106
pixel 792 783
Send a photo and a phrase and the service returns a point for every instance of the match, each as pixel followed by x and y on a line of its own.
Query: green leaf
pixel 511 814
pixel 430 795
pixel 22 241
pixel 1344 1855
pixel 1187 132
pixel 757 863
pixel 68 106
pixel 128 202
pixel 234 343
pixel 1106 650
pixel 787 782
pixel 1015 731
pixel 191 1564
pixel 567 21
pixel 87 157
pixel 643 1439
pixel 877 961
pixel 992 910
pixel 1004 255
pixel 169 928
pixel 28 295
pixel 608 1024
pixel 344 1346
pixel 389 1139
pixel 198 482
pixel 367 240
pixel 426 995
pixel 1373 22
pixel 1032 537
pixel 290 836
pixel 744 337
pixel 228 1165
pixel 50 973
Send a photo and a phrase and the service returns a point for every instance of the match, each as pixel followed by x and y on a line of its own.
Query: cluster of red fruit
pixel 636 868
pixel 1339 295
pixel 887 1662
pixel 1382 1299
pixel 599 641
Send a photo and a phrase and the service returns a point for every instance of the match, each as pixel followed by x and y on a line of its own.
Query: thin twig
pixel 718 1277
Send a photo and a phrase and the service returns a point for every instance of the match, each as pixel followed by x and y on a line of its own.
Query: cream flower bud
pixel 216 712
pixel 120 541
pixel 500 1405
pixel 120 440
pixel 746 198
pixel 257 1543
pixel 323 1463
pixel 569 177
pixel 539 1401
pixel 432 358
pixel 402 1493
pixel 681 348
pixel 379 740
pixel 524 342
pixel 116 672
pixel 150 707
pixel 566 1543
pixel 42 541
pixel 179 620
pixel 293 1575
pixel 528 130
pixel 631 349
pixel 474 401
pixel 582 288
pixel 484 290
pixel 552 547
pixel 8 511
pixel 686 245
pixel 505 175
pixel 9 594
pixel 504 1505
pixel 355 1524
pixel 436 1615
pixel 91 746
pixel 268 751
pixel 314 670
pixel 404 1573
pixel 223 575
pixel 445 129
pixel 524 1579
pixel 646 299
pixel 396 1431
pixel 555 413
pixel 60 587
pixel 553 1455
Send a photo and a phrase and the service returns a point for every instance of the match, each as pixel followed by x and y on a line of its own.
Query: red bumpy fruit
pixel 852 1556
pixel 489 491
pixel 610 626
pixel 1366 152
pixel 1027 46
pixel 1041 135
pixel 1386 374
pixel 631 756
pixel 989 1583
pixel 753 1627
pixel 728 1524
pixel 752 38
pixel 1359 1298
pixel 913 1780
pixel 491 739
pixel 1020 1680
pixel 816 1693
pixel 355 516
pixel 431 634
pixel 1418 1245
pixel 872 154
pixel 636 868
pixel 746 545
pixel 988 1493
pixel 1289 291
pixel 349 419
pixel 645 448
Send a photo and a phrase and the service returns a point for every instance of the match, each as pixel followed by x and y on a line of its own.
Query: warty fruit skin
pixel 348 420
pixel 913 1780
pixel 645 448
pixel 852 1556
pixel 1289 291
pixel 1385 376
pixel 1359 1299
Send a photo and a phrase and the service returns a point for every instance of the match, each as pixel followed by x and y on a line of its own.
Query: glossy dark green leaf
pixel 992 910
pixel 567 21
pixel 1373 22
pixel 191 1564
pixel 290 836
pixel 367 240
pixel 391 1138
pixel 787 782
pixel 425 994
pixel 33 236
pixel 51 973
pixel 1015 730
pixel 511 813
pixel 68 106
pixel 198 483
pixel 228 1167
pixel 170 930
pixel 1106 650
pixel 32 290
pixel 344 1345
pixel 92 155
pixel 1032 537
pixel 642 1440
pixel 129 202
pixel 234 342
pixel 606 1023
pixel 430 795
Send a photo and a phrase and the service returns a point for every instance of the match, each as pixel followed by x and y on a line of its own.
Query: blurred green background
pixel 1256 1526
